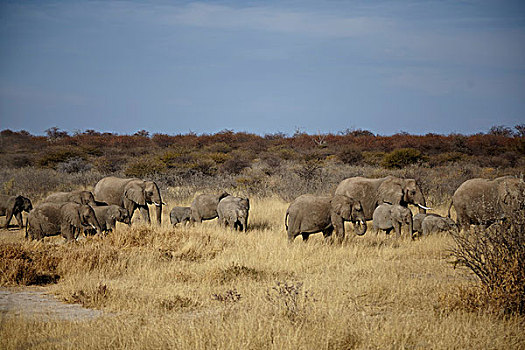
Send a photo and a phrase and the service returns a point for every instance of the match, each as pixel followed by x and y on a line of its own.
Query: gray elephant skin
pixel 80 197
pixel 433 223
pixel 483 202
pixel 130 194
pixel 233 211
pixel 309 214
pixel 374 192
pixel 107 217
pixel 68 219
pixel 387 217
pixel 204 206
pixel 180 215
pixel 14 206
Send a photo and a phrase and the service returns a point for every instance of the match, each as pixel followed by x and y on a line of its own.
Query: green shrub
pixel 402 157
pixel 51 159
pixel 204 166
pixel 143 167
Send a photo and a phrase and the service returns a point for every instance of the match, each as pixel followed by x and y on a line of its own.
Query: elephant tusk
pixel 423 207
pixel 157 204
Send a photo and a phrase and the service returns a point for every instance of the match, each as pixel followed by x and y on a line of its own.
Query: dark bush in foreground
pixel 497 257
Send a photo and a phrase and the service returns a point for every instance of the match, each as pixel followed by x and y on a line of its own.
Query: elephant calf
pixel 14 206
pixel 309 214
pixel 107 217
pixel 436 223
pixel 233 211
pixel 387 217
pixel 180 215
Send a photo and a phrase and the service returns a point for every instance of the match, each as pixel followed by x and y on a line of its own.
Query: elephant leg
pixel 291 236
pixel 144 211
pixel 68 232
pixel 397 228
pixel 8 216
pixel 19 219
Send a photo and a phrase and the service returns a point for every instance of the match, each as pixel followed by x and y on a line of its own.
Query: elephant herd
pixel 385 201
pixel 115 199
pixel 358 199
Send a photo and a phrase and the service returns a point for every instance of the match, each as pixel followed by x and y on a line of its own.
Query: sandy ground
pixel 34 302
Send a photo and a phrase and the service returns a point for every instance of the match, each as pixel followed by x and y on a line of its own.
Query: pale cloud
pixel 270 19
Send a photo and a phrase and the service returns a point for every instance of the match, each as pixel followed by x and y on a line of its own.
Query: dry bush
pixel 21 265
pixel 74 165
pixel 37 183
pixel 496 255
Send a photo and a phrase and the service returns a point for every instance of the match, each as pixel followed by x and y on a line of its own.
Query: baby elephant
pixel 14 206
pixel 233 211
pixel 436 223
pixel 180 215
pixel 387 217
pixel 107 216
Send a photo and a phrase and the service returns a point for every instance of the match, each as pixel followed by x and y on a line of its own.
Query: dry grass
pixel 205 287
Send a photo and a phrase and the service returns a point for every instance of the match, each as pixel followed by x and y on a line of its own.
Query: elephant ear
pixel 136 195
pixel 341 206
pixel 72 215
pixel 391 191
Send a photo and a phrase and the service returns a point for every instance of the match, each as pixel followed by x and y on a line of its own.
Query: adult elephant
pixel 309 214
pixel 80 197
pixel 374 192
pixel 14 206
pixel 68 219
pixel 130 194
pixel 482 202
pixel 204 206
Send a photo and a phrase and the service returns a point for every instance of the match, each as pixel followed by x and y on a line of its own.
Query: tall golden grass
pixel 206 287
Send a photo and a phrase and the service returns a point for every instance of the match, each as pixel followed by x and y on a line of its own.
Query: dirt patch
pixel 37 303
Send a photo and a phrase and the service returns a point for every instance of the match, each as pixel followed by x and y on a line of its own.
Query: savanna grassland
pixel 207 287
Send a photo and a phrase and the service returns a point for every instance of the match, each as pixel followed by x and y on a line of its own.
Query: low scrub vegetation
pixel 496 255
pixel 203 286
pixel 207 287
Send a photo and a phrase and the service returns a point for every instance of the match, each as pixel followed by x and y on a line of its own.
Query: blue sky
pixel 262 66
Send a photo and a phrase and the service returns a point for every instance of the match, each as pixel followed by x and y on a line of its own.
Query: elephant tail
pixel 449 207
pixel 286 220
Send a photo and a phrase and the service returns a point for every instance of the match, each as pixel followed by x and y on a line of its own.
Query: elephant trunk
pixel 419 200
pixel 360 227
pixel 158 211
pixel 411 228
